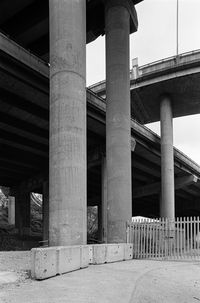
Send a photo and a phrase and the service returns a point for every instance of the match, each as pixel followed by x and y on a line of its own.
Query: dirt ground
pixel 15 261
pixel 135 281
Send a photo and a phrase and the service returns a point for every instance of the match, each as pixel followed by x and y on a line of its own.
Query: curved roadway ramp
pixel 123 282
pixel 177 76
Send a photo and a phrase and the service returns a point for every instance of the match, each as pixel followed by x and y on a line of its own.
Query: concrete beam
pixel 155 188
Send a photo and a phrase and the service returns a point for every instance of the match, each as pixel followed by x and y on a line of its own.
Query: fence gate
pixel 165 239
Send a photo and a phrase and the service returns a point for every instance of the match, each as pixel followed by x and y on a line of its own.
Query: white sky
pixel 154 40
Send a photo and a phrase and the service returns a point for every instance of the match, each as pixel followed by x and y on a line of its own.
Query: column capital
pixel 128 4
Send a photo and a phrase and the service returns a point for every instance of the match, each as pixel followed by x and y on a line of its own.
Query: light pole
pixel 177 37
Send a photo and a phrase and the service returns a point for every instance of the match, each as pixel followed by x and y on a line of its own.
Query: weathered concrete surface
pixel 107 253
pixel 167 207
pixel 118 137
pixel 45 212
pixel 67 201
pixel 51 261
pixel 128 282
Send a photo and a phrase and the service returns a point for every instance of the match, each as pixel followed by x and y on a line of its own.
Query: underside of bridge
pixel 24 123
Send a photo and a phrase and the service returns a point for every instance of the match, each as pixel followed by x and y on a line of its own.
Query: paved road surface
pixel 134 281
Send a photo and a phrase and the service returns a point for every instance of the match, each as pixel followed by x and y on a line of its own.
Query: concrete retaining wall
pixel 51 261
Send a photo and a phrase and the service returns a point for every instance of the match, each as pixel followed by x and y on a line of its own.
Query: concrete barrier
pixel 43 262
pixel 51 261
pixel 128 251
pixel 107 253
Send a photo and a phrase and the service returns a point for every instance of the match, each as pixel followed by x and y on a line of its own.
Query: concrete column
pixel 104 199
pixel 118 136
pixel 100 225
pixel 45 205
pixel 67 170
pixel 167 208
pixel 11 210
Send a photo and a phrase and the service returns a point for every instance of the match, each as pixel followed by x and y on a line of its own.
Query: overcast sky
pixel 154 40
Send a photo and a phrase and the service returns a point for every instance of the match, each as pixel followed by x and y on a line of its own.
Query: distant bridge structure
pixel 178 76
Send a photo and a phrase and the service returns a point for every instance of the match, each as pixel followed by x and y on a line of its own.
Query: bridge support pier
pixel 104 206
pixel 67 170
pixel 118 135
pixel 45 210
pixel 167 200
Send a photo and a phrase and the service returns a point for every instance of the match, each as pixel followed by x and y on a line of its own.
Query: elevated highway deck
pixel 177 76
pixel 27 22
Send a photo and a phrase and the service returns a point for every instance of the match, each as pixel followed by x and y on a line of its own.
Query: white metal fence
pixel 165 239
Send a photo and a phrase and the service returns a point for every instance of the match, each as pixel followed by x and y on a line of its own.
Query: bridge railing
pixel 169 62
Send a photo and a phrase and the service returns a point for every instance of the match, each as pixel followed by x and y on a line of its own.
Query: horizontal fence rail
pixel 165 239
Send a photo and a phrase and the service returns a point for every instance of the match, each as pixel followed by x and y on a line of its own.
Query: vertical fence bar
pixel 181 238
pixel 133 238
pixel 177 236
pixel 174 238
pixel 194 238
pixel 136 239
pixel 139 238
pixel 153 239
pixel 147 239
pixel 191 248
pixel 157 239
pixel 166 239
pixel 140 245
pixel 184 236
pixel 144 239
pixel 187 230
pixel 198 238
pixel 163 237
pixel 173 244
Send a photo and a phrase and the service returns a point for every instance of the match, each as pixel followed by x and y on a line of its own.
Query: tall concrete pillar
pixel 167 208
pixel 45 210
pixel 118 129
pixel 104 206
pixel 67 170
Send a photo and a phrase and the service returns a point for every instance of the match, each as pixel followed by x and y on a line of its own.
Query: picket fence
pixel 165 239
